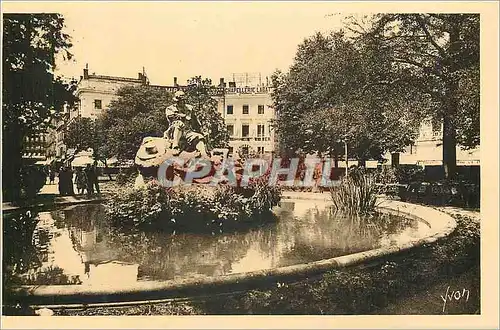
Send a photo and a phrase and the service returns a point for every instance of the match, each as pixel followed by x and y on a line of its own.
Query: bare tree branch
pixel 421 23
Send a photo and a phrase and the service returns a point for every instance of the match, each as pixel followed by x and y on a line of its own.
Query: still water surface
pixel 77 246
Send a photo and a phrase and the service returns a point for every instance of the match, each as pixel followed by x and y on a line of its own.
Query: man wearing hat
pixel 183 123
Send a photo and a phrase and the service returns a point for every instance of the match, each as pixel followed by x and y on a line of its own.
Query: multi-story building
pixel 95 92
pixel 428 149
pixel 35 147
pixel 248 115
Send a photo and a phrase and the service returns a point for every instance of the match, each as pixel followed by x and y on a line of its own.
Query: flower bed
pixel 193 207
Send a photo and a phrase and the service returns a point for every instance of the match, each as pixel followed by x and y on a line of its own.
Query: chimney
pixel 141 78
pixel 86 72
pixel 221 84
pixel 175 81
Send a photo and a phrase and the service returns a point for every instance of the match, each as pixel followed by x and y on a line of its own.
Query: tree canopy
pixel 333 93
pixel 373 85
pixel 212 123
pixel 31 93
pixel 439 56
pixel 83 133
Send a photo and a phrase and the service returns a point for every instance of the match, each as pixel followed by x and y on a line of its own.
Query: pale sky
pixel 171 39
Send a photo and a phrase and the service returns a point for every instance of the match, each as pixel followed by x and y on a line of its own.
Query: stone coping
pixel 58 201
pixel 441 225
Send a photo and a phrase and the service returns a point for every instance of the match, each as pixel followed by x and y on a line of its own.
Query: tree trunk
pixel 335 154
pixel 12 164
pixel 449 147
pixel 449 130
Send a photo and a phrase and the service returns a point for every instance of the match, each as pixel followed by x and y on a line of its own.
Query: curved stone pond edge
pixel 77 295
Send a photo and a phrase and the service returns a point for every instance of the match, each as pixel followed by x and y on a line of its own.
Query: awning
pixel 81 161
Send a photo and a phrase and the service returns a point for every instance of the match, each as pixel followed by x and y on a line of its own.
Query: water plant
pixel 356 195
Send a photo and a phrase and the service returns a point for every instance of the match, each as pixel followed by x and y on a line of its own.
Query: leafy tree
pixel 199 95
pixel 332 94
pixel 84 133
pixel 139 111
pixel 31 94
pixel 81 134
pixel 439 55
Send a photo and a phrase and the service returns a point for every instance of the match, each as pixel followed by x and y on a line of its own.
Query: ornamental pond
pixel 76 245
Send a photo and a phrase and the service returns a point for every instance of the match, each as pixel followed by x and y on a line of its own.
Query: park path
pixel 49 195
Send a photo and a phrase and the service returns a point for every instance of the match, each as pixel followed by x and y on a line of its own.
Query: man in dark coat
pixel 90 182
pixel 62 185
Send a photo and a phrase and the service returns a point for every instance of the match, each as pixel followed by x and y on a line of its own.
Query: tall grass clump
pixel 356 195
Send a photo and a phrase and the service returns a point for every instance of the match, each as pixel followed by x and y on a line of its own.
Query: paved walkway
pixel 49 195
pixel 306 195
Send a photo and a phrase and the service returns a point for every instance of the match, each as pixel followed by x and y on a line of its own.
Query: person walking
pixel 89 181
pixel 52 176
pixel 63 174
pixel 81 181
pixel 69 182
pixel 95 179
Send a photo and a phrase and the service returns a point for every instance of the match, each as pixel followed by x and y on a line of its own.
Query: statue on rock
pixel 183 132
pixel 181 139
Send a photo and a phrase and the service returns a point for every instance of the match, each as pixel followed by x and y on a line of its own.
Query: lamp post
pixel 346 159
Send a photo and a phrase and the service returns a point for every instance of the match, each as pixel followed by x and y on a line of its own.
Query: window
pixel 260 150
pixel 260 130
pixel 245 109
pixel 230 130
pixel 98 104
pixel 229 109
pixel 260 109
pixel 245 130
pixel 231 150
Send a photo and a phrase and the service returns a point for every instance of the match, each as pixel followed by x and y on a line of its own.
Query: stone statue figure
pixel 184 126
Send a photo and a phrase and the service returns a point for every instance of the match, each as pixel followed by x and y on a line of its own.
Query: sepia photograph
pixel 250 158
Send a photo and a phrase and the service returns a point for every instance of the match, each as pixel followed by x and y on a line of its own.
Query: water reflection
pixel 80 244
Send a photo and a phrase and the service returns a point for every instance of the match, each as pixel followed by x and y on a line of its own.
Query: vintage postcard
pixel 250 164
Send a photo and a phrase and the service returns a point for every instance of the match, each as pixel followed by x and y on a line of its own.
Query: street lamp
pixel 346 159
pixel 345 155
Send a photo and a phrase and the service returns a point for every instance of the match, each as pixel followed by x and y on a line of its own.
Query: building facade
pixel 35 147
pixel 428 149
pixel 248 114
pixel 95 92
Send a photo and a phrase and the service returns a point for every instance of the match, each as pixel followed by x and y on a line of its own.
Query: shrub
pixel 126 175
pixel 386 175
pixel 356 195
pixel 410 173
pixel 191 207
pixel 31 179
